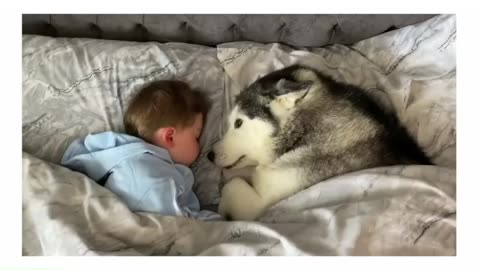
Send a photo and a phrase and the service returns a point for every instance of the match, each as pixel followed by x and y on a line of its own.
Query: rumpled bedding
pixel 72 87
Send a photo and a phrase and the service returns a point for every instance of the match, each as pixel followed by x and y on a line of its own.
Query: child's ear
pixel 164 137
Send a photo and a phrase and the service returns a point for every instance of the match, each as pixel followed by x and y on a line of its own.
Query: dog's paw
pixel 239 201
pixel 227 201
pixel 224 210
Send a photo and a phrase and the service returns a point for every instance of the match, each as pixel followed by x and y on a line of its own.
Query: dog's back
pixel 341 129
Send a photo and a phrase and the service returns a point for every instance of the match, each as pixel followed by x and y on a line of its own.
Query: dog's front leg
pixel 240 201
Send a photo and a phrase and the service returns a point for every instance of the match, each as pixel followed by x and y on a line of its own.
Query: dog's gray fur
pixel 317 128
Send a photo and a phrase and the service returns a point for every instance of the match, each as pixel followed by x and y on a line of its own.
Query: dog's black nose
pixel 211 156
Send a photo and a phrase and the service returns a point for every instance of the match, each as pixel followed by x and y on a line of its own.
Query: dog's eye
pixel 238 123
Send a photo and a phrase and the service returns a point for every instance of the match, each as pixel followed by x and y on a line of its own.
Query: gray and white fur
pixel 299 127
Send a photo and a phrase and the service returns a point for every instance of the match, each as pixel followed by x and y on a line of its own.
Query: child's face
pixel 186 148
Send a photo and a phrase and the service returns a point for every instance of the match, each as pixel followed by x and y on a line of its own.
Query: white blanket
pixel 401 210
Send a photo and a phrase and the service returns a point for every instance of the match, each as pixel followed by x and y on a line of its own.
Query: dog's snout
pixel 211 156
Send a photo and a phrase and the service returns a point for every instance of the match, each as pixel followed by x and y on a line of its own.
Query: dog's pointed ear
pixel 292 92
pixel 285 86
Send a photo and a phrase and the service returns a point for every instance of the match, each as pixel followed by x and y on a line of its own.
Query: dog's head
pixel 258 115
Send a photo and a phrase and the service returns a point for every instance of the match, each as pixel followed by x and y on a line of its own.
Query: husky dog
pixel 299 127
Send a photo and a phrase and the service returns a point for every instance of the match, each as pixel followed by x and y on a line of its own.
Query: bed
pixel 80 71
